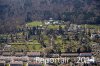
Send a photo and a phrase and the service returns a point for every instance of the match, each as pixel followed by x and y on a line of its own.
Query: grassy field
pixel 31 46
pixel 55 26
pixel 38 23
pixel 35 23
pixel 92 26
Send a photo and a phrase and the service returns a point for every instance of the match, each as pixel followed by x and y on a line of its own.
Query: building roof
pixel 85 54
pixel 34 64
pixel 69 54
pixel 20 59
pixel 2 61
pixel 54 55
pixel 33 54
pixel 7 53
pixel 19 54
pixel 17 62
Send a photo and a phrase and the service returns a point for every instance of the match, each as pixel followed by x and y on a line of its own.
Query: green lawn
pixel 38 23
pixel 92 26
pixel 35 47
pixel 55 26
pixel 35 23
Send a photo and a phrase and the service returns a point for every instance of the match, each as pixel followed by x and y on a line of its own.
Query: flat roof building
pixel 34 64
pixel 2 63
pixel 33 54
pixel 16 64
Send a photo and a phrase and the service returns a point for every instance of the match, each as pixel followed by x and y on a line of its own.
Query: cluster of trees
pixel 14 13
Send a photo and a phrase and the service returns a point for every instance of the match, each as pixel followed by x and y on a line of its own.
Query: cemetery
pixel 51 39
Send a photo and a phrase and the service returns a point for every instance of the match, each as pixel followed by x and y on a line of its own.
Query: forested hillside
pixel 17 12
